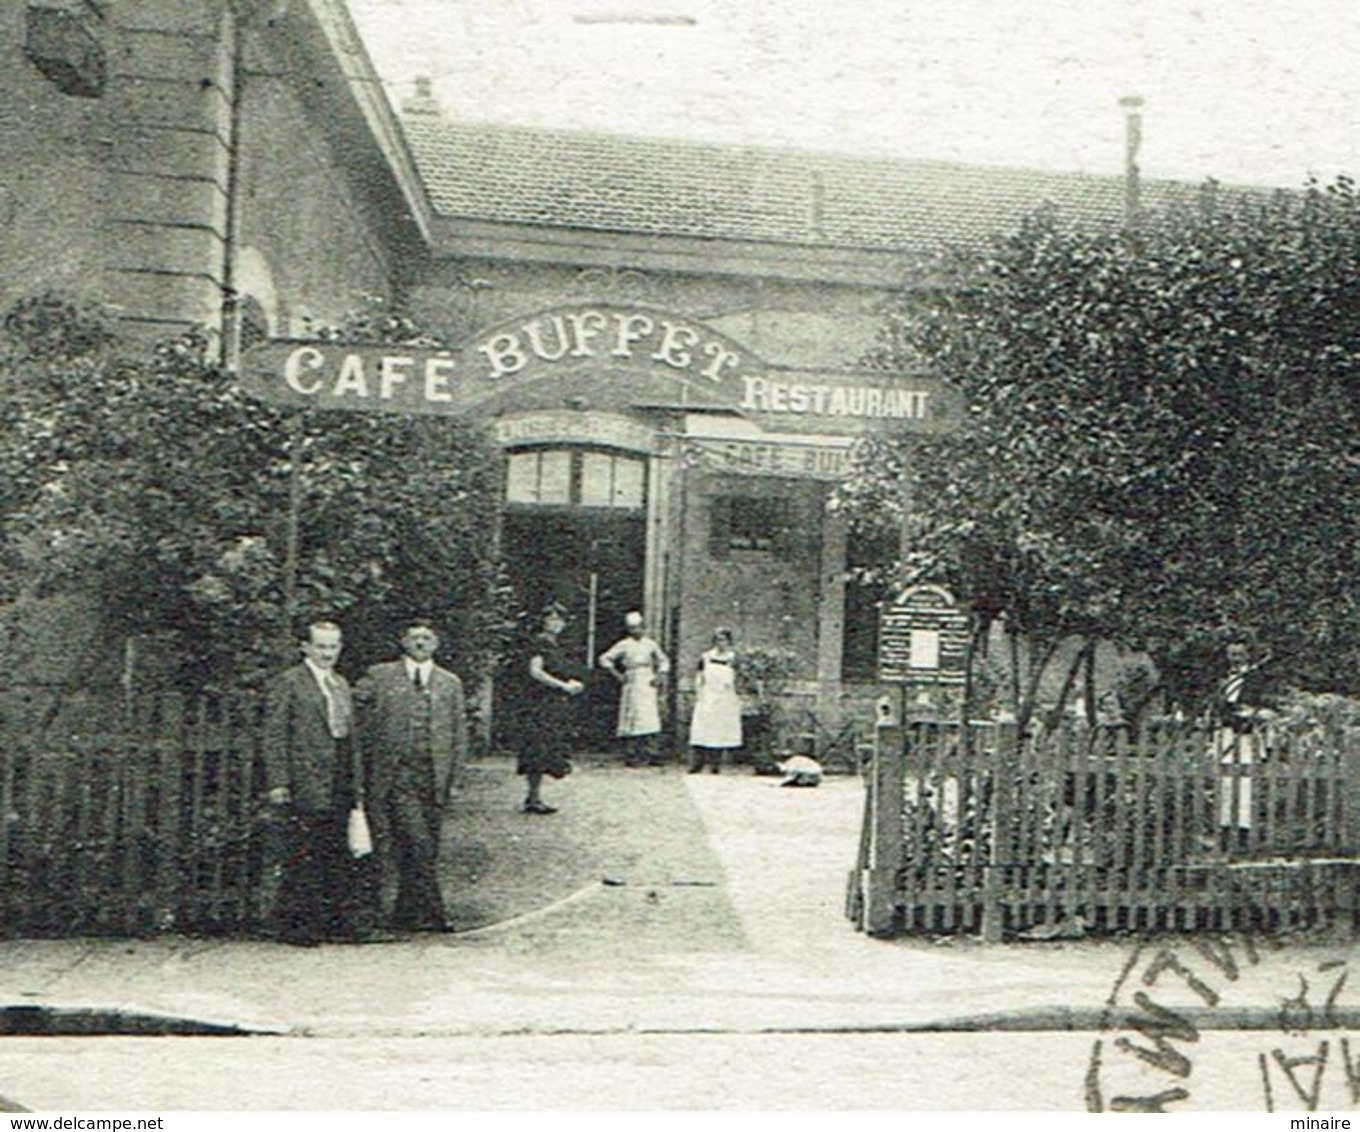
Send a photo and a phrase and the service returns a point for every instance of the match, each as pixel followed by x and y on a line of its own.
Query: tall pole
pixel 230 319
pixel 676 570
pixel 292 523
pixel 593 601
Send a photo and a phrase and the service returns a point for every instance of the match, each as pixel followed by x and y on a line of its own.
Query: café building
pixel 673 345
pixel 670 342
pixel 651 462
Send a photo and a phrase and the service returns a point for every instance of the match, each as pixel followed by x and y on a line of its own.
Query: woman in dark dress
pixel 552 695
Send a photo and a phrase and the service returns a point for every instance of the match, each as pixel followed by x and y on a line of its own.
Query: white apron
pixel 641 661
pixel 716 722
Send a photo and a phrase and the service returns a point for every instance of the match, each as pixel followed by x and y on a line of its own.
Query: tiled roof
pixel 650 186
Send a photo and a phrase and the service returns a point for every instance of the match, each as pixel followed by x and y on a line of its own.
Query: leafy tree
pixel 1161 443
pixel 159 486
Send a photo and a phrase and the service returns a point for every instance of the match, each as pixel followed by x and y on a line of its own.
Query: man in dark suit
pixel 310 774
pixel 413 731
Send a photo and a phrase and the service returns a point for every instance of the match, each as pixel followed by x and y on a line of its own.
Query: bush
pixel 152 481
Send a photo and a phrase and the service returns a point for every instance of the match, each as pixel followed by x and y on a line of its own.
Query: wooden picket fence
pixel 1173 828
pixel 135 820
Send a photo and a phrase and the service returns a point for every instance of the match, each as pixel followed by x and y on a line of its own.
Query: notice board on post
pixel 923 638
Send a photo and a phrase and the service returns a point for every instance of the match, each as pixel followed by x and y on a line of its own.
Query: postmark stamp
pixel 1244 1021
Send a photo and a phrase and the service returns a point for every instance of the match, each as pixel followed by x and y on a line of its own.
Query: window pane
pixel 554 477
pixel 757 523
pixel 595 479
pixel 521 482
pixel 628 481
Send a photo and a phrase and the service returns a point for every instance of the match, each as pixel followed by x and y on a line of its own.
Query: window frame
pixel 577 456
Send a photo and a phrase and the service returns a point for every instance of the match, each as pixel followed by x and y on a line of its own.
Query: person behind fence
pixel 638 663
pixel 311 774
pixel 715 726
pixel 413 735
pixel 548 731
pixel 1240 720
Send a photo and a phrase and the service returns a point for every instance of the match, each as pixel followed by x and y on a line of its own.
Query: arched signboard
pixel 702 367
pixel 923 638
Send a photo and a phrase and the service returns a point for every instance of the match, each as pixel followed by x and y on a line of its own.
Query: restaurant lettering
pixel 765 395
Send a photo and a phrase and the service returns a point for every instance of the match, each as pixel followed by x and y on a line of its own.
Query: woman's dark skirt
pixel 548 737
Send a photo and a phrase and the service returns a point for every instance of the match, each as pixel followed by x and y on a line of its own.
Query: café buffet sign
pixel 708 368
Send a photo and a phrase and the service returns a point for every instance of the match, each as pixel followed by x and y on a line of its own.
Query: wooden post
pixel 196 901
pixel 1003 770
pixel 237 786
pixel 112 909
pixel 168 745
pixel 7 806
pixel 137 776
pixel 29 900
pixel 884 810
pixel 855 882
pixel 890 754
pixel 270 829
pixel 885 839
pixel 79 765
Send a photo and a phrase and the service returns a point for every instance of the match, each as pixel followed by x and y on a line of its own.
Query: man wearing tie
pixel 311 774
pixel 414 737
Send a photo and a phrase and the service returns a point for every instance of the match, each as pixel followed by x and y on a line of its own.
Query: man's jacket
pixel 392 725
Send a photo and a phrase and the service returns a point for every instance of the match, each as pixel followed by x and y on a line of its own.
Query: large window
pixel 565 477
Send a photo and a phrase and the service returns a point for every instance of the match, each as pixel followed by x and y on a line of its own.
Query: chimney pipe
pixel 1133 140
pixel 424 100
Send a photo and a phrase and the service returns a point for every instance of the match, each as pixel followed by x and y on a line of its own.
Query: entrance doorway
pixel 574 532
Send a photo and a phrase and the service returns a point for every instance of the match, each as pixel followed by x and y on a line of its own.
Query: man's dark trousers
pixel 316 876
pixel 407 827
